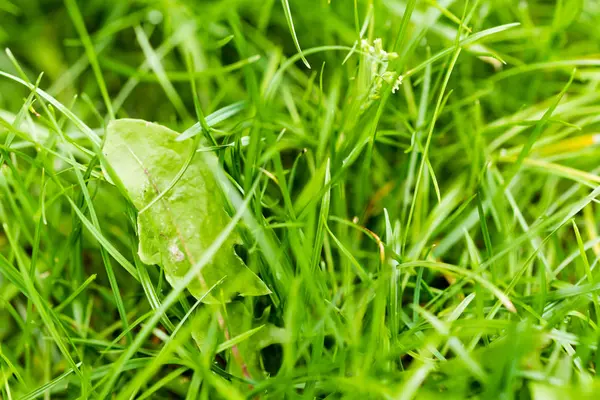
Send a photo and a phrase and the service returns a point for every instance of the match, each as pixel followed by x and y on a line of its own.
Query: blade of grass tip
pixel 238 339
pixel 173 296
pixel 77 19
pixel 457 312
pixel 350 53
pixel 290 22
pixel 76 293
pixel 434 180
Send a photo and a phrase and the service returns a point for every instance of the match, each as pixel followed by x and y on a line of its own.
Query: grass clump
pixel 422 203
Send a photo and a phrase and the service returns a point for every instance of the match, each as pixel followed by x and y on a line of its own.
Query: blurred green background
pixel 42 37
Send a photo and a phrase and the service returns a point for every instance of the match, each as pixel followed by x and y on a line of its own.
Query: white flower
pixel 378 45
pixel 397 84
pixel 364 45
pixel 377 60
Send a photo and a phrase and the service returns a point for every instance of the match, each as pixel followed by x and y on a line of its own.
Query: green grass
pixel 423 207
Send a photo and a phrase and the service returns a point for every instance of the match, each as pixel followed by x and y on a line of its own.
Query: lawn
pixel 299 199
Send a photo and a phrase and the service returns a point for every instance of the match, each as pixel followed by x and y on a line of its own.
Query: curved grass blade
pixel 288 17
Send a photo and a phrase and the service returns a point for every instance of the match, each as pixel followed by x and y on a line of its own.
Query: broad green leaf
pixel 249 334
pixel 175 230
